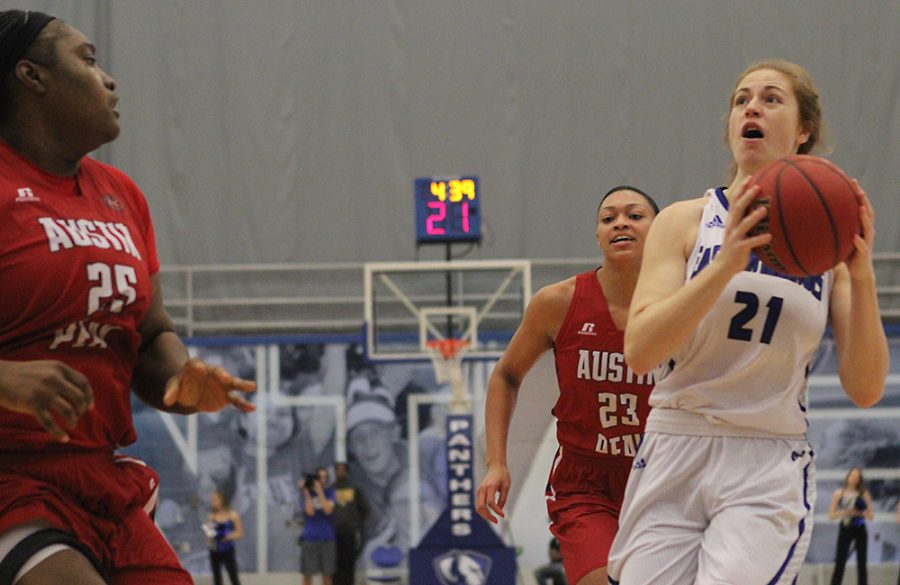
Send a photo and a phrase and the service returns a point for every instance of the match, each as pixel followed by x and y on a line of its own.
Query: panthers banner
pixel 461 548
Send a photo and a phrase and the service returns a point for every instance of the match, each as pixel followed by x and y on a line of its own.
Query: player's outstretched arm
pixel 168 380
pixel 535 335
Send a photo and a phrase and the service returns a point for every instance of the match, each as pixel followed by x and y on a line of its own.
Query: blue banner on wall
pixel 461 548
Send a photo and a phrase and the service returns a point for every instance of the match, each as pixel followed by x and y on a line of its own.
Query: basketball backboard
pixel 408 304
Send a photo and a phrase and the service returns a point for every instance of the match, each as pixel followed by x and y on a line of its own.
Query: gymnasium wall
pixel 291 131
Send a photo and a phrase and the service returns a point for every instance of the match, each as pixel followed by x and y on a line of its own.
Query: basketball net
pixel 446 357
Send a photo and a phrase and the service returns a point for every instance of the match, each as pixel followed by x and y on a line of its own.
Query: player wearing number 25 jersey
pixel 82 323
pixel 602 403
pixel 76 257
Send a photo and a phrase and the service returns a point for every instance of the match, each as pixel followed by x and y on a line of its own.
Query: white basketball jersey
pixel 743 370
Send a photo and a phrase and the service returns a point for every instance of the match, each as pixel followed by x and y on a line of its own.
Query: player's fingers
pixel 220 375
pixel 195 366
pixel 501 499
pixel 486 514
pixel 859 244
pixel 48 422
pixel 235 398
pixel 483 499
pixel 867 224
pixel 173 391
pixel 243 385
pixel 80 383
pixel 68 400
pixel 742 187
pixel 66 411
pixel 743 196
pixel 759 240
pixel 229 380
pixel 496 508
pixel 863 199
pixel 751 219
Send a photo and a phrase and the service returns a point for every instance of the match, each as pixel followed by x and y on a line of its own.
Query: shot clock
pixel 447 210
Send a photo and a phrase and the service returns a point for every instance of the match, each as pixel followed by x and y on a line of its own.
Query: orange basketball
pixel 813 215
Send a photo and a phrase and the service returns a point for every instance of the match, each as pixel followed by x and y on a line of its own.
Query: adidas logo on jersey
pixel 715 222
pixel 587 329
pixel 26 195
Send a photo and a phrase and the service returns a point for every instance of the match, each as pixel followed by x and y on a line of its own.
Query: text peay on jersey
pixel 76 258
pixel 603 404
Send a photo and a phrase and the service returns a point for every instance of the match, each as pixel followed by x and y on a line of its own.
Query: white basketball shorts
pixel 705 510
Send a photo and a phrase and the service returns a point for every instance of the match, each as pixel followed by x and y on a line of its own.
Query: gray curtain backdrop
pixel 292 130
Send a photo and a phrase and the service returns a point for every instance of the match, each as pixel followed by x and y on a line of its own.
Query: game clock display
pixel 447 210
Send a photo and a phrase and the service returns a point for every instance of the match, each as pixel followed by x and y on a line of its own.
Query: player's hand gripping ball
pixel 813 214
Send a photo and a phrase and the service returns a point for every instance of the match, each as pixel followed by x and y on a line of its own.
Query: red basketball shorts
pixel 584 496
pixel 103 499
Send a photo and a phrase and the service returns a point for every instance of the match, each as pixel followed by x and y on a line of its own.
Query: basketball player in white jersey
pixel 722 488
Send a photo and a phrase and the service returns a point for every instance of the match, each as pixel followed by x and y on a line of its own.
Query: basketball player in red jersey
pixel 602 404
pixel 81 322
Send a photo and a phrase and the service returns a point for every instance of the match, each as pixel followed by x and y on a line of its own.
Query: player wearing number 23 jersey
pixel 601 412
pixel 602 403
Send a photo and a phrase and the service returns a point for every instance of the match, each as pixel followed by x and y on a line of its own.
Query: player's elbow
pixel 504 378
pixel 638 367
pixel 866 400
pixel 865 395
pixel 637 359
pixel 863 388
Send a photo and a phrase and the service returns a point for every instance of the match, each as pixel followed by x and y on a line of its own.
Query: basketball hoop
pixel 446 357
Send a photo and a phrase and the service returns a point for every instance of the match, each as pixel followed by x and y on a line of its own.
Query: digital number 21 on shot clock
pixel 447 210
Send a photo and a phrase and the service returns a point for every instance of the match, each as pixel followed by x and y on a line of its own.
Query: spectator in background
pixel 349 518
pixel 552 573
pixel 852 505
pixel 223 528
pixel 317 546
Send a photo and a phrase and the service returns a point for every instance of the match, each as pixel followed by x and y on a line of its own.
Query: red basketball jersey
pixel 602 405
pixel 76 257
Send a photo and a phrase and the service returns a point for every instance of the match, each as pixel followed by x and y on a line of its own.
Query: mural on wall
pixel 298 434
pixel 298 439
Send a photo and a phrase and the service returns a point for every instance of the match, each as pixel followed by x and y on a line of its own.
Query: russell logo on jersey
pixel 587 329
pixel 26 195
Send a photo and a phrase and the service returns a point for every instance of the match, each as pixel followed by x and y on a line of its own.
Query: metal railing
pixel 308 298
